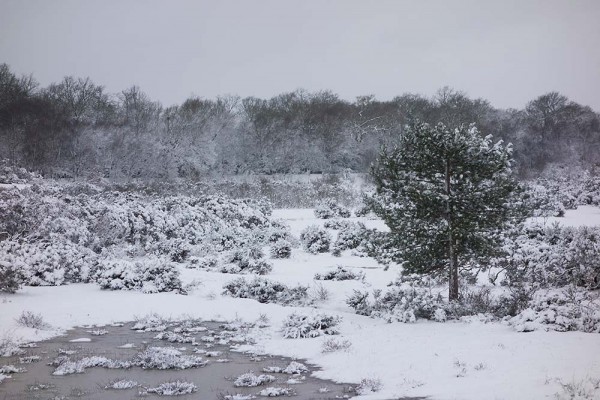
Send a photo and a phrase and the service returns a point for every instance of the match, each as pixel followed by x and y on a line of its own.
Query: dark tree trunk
pixel 452 256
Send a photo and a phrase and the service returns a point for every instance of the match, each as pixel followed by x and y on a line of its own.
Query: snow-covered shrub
pixel 167 358
pixel 315 239
pixel 298 325
pixel 208 263
pixel 318 292
pixel 57 236
pixel 49 262
pixel 411 297
pixel 281 249
pixel 9 346
pixel 584 389
pixel 554 256
pixel 10 277
pixel 340 274
pixel 246 260
pixel 150 275
pixel 333 344
pixel 12 174
pixel 351 236
pixel 368 385
pixel 278 230
pixel 337 224
pixel 472 302
pixel 266 291
pixel 175 388
pixel 566 309
pixel 330 209
pixel 32 320
pixel 251 380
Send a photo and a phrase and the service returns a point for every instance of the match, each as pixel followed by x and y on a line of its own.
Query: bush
pixel 266 291
pixel 49 262
pixel 32 320
pixel 330 209
pixel 409 298
pixel 246 260
pixel 567 309
pixel 149 276
pixel 332 345
pixel 554 256
pixel 298 326
pixel 351 236
pixel 340 274
pixel 10 277
pixel 315 239
pixel 57 234
pixel 281 249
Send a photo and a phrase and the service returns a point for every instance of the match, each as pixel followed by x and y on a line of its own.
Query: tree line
pixel 74 128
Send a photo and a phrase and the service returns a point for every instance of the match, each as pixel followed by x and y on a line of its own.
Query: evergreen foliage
pixel 446 195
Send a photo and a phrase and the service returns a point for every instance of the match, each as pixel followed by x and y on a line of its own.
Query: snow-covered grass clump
pixel 167 358
pixel 68 367
pixel 175 388
pixel 276 392
pixel 297 326
pixel 293 368
pixel 251 380
pixel 315 239
pixel 121 384
pixel 266 291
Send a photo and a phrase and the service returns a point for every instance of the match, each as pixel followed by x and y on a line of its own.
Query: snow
pixel 452 360
pixel 582 216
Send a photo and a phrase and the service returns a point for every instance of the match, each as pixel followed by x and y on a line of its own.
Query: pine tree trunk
pixel 452 256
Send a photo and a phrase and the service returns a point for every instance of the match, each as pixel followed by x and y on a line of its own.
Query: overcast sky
pixel 505 51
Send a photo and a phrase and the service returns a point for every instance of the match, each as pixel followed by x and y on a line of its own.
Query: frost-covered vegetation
pixel 251 380
pixel 175 388
pixel 59 235
pixel 315 239
pixel 266 291
pixel 297 326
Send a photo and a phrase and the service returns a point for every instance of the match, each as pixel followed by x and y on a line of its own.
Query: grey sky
pixel 505 51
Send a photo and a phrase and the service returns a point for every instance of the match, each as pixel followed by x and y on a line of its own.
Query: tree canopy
pixel 446 194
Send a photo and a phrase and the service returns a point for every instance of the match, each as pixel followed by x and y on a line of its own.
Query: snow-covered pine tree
pixel 446 195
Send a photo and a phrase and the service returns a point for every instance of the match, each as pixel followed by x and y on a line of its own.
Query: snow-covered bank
pixel 453 360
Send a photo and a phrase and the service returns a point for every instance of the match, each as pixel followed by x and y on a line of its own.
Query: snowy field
pixel 453 360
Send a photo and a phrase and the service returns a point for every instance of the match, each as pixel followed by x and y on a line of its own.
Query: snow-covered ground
pixel 454 360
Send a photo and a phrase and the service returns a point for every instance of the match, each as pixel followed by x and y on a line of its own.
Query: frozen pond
pixel 86 362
